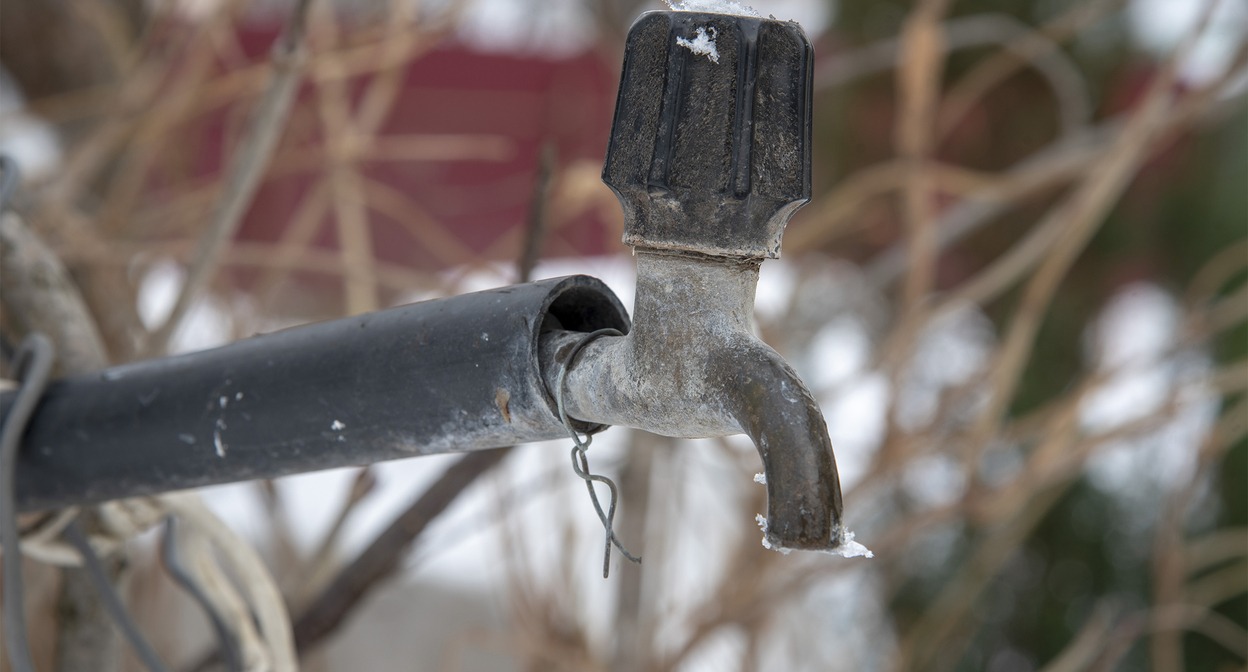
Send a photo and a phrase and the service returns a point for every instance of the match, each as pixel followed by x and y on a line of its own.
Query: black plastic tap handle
pixel 710 145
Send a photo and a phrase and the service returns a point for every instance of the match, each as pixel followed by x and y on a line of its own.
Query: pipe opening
pixel 584 308
pixel 580 304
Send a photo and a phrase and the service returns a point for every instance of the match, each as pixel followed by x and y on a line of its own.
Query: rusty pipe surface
pixel 692 367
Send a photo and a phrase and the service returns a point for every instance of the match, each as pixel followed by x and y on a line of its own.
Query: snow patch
pixel 762 524
pixel 713 7
pixel 337 426
pixel 848 548
pixel 760 478
pixel 703 44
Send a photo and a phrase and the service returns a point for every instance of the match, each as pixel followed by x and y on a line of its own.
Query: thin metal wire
pixel 112 601
pixel 33 366
pixel 580 462
pixel 230 653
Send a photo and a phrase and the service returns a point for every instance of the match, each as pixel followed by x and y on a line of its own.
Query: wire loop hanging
pixel 580 461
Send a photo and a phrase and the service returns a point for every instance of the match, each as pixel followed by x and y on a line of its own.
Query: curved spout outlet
pixel 691 367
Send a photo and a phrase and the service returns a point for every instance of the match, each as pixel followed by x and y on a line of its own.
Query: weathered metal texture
pixel 710 146
pixel 692 367
pixel 449 375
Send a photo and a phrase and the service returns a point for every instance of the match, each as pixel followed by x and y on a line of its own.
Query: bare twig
pixel 381 558
pixel 352 225
pixel 313 574
pixel 175 101
pixel 1047 168
pixel 922 59
pixel 1061 161
pixel 833 216
pixel 547 160
pixel 1215 548
pixel 246 168
pixel 1087 645
pixel 1082 214
pixel 303 226
pixel 1035 48
pixel 968 32
pixel 634 640
pixel 40 296
pixel 953 605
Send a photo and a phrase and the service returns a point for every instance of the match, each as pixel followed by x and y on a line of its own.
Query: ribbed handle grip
pixel 710 145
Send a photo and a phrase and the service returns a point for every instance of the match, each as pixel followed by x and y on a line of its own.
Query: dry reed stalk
pixel 1215 548
pixel 1088 644
pixel 262 256
pixel 991 72
pixel 419 223
pixel 1169 568
pixel 39 295
pixel 153 125
pixel 1082 213
pixel 304 224
pixel 836 215
pixel 946 614
pixel 922 58
pixel 246 167
pixel 343 133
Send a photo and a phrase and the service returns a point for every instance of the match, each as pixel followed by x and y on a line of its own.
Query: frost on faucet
pixel 848 548
pixel 714 7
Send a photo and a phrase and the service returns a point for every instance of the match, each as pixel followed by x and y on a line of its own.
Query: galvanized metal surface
pixel 692 367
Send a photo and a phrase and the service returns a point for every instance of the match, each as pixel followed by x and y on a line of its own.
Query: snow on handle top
pixel 703 44
pixel 713 7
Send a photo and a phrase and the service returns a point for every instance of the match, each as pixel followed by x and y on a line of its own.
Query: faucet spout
pixel 709 157
pixel 773 407
pixel 692 367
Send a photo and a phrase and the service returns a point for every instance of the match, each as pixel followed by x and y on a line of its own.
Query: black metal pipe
pixel 449 375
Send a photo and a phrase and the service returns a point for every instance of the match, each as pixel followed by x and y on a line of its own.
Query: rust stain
pixel 501 397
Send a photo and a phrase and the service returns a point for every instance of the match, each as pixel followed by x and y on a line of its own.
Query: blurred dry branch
pixel 247 166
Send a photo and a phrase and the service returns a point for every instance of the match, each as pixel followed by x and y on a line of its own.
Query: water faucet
pixel 709 157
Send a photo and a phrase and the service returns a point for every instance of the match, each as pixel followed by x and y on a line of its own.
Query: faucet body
pixel 692 367
pixel 709 157
pixel 690 310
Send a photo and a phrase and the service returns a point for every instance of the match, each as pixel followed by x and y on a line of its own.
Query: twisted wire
pixel 580 461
